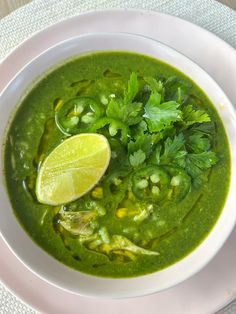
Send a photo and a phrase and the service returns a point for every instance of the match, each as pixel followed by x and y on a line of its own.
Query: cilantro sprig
pixel 161 115
pixel 165 130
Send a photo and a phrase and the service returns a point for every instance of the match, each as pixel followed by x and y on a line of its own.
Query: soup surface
pixel 168 174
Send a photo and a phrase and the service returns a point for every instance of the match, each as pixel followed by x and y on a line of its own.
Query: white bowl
pixel 52 270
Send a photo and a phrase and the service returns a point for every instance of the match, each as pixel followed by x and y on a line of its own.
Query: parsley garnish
pixel 191 116
pixel 175 133
pixel 137 158
pixel 161 115
pixel 198 142
pixel 163 128
pixel 173 149
pixel 132 89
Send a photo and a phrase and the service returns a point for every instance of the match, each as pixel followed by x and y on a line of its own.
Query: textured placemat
pixel 39 14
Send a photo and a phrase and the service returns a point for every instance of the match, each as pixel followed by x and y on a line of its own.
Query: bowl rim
pixel 65 60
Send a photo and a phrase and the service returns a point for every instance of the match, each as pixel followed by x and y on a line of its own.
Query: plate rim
pixel 110 11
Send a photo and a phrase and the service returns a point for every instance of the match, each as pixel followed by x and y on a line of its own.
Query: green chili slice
pixel 180 183
pixel 77 114
pixel 151 183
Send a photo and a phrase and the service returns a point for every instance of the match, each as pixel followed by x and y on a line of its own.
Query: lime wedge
pixel 72 169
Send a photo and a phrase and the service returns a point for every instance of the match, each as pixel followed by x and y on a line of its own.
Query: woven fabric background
pixel 39 14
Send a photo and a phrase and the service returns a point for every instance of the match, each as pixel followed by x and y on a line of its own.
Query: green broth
pixel 174 229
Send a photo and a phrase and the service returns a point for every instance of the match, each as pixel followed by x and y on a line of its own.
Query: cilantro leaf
pixel 208 128
pixel 164 134
pixel 155 157
pixel 115 109
pixel 174 150
pixel 176 89
pixel 130 114
pixel 139 129
pixel 137 158
pixel 198 142
pixel 140 149
pixel 133 113
pixel 159 116
pixel 200 161
pixel 143 142
pixel 126 110
pixel 155 86
pixel 191 116
pixel 179 158
pixel 143 94
pixel 132 89
pixel 172 146
pixel 196 164
pixel 194 100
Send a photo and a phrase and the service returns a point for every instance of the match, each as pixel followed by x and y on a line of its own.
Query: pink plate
pixel 215 285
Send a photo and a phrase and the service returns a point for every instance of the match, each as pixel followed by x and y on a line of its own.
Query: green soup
pixel 168 176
